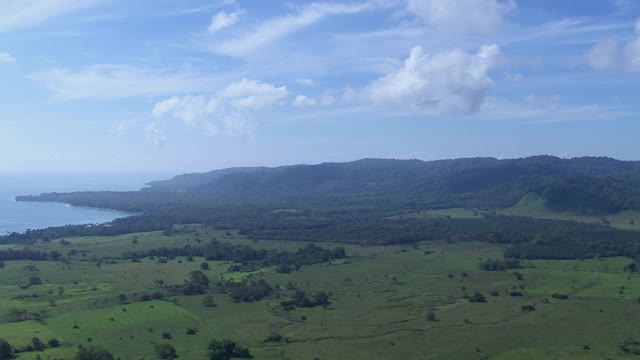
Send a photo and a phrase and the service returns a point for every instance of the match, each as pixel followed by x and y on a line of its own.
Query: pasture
pixel 380 298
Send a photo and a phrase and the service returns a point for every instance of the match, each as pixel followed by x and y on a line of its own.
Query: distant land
pixel 587 185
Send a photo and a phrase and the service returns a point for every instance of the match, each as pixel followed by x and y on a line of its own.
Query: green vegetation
pixel 524 259
pixel 324 309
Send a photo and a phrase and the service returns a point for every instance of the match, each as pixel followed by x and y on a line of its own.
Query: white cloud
pixel 6 58
pixel 222 20
pixel 603 55
pixel 253 94
pixel 453 82
pixel 279 27
pixel 632 51
pixel 305 81
pixel 302 100
pixel 156 134
pixel 461 16
pixel 190 109
pixel 614 54
pixel 119 81
pixel 229 111
pixel 21 14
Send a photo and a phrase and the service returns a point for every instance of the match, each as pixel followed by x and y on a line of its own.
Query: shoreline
pixel 119 215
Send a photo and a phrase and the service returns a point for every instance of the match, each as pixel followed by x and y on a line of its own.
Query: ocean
pixel 20 216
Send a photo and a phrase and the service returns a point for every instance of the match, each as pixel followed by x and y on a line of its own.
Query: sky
pixel 195 85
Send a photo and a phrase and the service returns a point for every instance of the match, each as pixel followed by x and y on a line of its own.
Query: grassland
pixel 379 301
pixel 534 207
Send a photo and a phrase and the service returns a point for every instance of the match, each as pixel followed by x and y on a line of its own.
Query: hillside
pixel 589 185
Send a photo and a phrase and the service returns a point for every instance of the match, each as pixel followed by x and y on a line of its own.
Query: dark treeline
pixel 29 254
pixel 247 257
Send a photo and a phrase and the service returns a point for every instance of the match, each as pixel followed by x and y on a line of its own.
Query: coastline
pixel 92 218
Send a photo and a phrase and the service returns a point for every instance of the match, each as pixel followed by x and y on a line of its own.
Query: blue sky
pixel 195 85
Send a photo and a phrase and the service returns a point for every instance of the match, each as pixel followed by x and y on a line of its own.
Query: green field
pixel 380 298
pixel 534 207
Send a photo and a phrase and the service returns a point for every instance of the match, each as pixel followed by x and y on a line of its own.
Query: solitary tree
pixel 166 351
pixel 122 298
pixel 431 316
pixel 6 351
pixel 37 344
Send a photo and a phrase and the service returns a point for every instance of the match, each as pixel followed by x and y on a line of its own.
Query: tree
pixel 122 298
pixel 227 349
pixel 198 277
pixel 208 301
pixel 37 344
pixel 6 351
pixel 35 280
pixel 54 343
pixel 431 316
pixel 477 297
pixel 204 266
pixel 93 354
pixel 165 351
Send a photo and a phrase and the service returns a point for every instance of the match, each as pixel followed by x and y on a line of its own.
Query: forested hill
pixel 589 185
pixel 584 185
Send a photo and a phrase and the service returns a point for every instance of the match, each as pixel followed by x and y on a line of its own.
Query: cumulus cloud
pixel 453 82
pixel 279 27
pixel 229 111
pixel 21 14
pixel 615 54
pixel 106 81
pixel 222 20
pixel 462 16
pixel 6 58
pixel 302 100
pixel 253 94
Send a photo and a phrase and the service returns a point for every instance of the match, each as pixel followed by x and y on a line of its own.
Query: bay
pixel 17 216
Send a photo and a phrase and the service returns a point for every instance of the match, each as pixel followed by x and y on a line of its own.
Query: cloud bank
pixel 228 111
pixel 452 82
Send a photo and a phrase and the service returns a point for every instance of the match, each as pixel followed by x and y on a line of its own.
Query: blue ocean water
pixel 20 216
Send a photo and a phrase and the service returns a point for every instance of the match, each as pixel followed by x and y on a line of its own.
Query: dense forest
pixel 362 202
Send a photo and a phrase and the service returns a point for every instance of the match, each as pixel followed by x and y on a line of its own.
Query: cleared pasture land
pixel 379 301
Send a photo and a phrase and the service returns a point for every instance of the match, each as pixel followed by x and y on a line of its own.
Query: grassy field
pixel 534 207
pixel 379 301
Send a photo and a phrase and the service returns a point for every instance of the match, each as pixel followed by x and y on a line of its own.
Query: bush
pixel 477 298
pixel 431 316
pixel 6 350
pixel 93 354
pixel 165 351
pixel 227 349
pixel 54 343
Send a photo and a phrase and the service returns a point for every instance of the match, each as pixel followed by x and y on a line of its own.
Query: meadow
pixel 379 301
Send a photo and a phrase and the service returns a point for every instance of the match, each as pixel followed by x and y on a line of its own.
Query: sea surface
pixel 19 216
